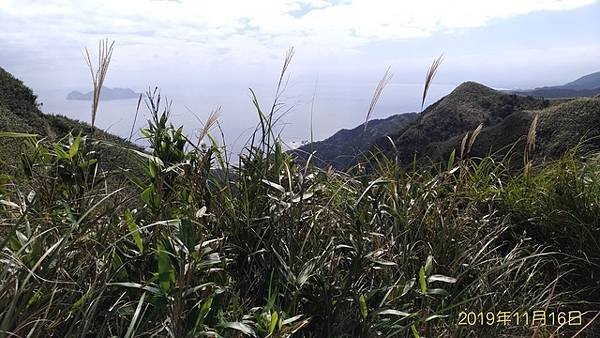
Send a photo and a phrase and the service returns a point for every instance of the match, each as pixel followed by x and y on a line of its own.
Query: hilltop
pixel 464 109
pixel 19 112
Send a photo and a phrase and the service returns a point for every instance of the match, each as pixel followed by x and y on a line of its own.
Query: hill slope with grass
pixel 560 128
pixel 19 112
pixel 346 146
pixel 440 129
pixel 464 109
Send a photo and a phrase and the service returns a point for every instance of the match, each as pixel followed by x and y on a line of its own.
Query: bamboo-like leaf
pixel 414 331
pixel 441 278
pixel 11 134
pixel 393 313
pixel 438 292
pixel 422 280
pixel 239 326
pixel 74 147
pixel 274 321
pixel 435 317
pixel 204 310
pixel 362 303
pixel 451 159
pixel 166 272
pixel 148 288
pixel 186 231
pixel 409 285
pixel 291 319
pixel 134 230
pixel 274 185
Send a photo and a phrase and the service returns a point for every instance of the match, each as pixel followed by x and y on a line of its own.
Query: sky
pixel 340 45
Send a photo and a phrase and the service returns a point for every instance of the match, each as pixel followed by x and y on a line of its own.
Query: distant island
pixel 106 95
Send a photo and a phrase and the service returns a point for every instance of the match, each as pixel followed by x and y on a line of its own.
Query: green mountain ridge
pixel 506 119
pixel 464 109
pixel 560 128
pixel 440 128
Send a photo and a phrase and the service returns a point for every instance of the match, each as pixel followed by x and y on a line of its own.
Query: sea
pixel 303 109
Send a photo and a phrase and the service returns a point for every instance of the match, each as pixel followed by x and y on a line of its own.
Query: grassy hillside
pixel 19 112
pixel 463 110
pixel 560 128
pixel 563 126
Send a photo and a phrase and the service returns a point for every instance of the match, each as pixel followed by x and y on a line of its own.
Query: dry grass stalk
pixel 281 86
pixel 463 144
pixel 532 133
pixel 105 51
pixel 387 76
pixel 474 136
pixel 429 77
pixel 210 122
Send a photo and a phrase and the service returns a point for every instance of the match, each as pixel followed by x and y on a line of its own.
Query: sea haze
pixel 336 106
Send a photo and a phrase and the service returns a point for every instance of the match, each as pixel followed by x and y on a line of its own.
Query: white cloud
pixel 247 28
pixel 163 41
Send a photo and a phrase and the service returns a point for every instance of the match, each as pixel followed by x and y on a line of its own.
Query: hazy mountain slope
pixel 556 93
pixel 588 85
pixel 590 81
pixel 467 106
pixel 19 112
pixel 343 148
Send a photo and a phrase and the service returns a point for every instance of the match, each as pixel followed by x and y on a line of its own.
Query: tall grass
pixel 98 74
pixel 197 246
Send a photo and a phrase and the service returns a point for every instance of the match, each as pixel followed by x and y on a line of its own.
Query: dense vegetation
pixel 268 246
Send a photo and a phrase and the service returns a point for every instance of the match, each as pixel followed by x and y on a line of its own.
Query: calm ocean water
pixel 335 107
